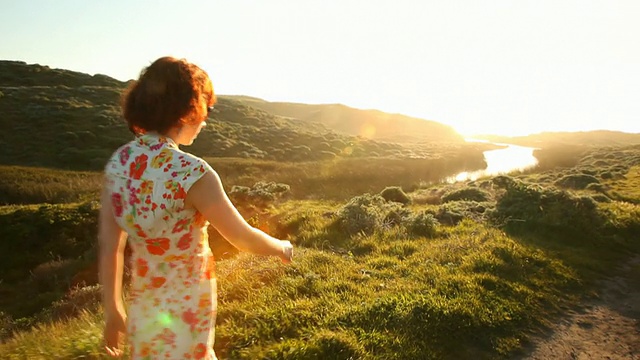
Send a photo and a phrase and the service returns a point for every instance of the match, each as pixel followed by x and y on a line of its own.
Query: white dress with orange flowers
pixel 172 307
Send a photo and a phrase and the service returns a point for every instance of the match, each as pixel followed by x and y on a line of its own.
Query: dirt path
pixel 607 327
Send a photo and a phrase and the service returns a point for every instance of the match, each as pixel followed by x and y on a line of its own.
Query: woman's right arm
pixel 208 196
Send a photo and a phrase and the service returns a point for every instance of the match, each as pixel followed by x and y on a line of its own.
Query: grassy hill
pixel 65 119
pixel 371 124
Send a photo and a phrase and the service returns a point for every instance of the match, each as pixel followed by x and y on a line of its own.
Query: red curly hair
pixel 170 92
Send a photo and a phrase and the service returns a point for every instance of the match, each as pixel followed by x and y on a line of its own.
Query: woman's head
pixel 170 94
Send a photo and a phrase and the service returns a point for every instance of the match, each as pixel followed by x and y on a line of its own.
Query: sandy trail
pixel 607 327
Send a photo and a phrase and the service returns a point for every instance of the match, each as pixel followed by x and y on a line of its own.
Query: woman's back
pixel 173 283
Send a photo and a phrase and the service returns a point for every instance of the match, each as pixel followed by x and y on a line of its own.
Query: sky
pixel 506 67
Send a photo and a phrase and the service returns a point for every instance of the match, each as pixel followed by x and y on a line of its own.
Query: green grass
pixel 628 190
pixel 407 298
pixel 470 290
pixel 28 185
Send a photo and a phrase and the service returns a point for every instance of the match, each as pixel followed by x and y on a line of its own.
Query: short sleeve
pixel 198 169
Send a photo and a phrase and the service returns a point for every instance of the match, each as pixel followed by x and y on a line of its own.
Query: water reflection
pixel 500 161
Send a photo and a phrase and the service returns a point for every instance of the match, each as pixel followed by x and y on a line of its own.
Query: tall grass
pixel 27 185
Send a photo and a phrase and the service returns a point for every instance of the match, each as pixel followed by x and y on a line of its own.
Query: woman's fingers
pixel 114 327
pixel 287 252
pixel 114 352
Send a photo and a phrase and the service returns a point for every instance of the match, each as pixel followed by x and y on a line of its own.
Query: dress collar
pixel 153 139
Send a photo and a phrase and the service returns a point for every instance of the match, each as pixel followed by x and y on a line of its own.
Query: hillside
pixel 372 124
pixel 65 119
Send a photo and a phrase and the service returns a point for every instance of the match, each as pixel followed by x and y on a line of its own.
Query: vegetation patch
pixel 395 194
pixel 467 193
pixel 577 181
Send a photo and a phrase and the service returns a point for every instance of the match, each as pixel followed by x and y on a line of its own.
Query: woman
pixel 161 199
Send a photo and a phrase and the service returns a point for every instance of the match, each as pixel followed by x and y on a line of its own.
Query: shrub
pixel 262 194
pixel 423 224
pixel 395 193
pixel 597 187
pixel 577 181
pixel 362 214
pixel 606 175
pixel 453 212
pixel 468 193
pixel 368 213
pixel 396 215
pixel 532 208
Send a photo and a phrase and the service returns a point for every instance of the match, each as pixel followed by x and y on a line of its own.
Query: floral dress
pixel 172 303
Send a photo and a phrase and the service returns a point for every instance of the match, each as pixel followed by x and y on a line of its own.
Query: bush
pixel 423 224
pixel 453 212
pixel 597 187
pixel 606 175
pixel 532 208
pixel 261 195
pixel 396 215
pixel 395 193
pixel 468 193
pixel 362 214
pixel 577 181
pixel 368 213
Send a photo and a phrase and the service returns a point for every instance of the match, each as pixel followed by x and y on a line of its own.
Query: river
pixel 500 161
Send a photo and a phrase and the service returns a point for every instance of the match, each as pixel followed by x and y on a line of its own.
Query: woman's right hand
pixel 115 327
pixel 287 252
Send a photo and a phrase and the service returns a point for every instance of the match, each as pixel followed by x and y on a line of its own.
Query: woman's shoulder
pixel 180 167
pixel 187 161
pixel 120 157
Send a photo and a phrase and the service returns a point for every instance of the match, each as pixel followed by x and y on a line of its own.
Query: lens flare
pixel 165 319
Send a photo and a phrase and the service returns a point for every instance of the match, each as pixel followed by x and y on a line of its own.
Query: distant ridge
pixel 19 73
pixel 372 124
pixel 66 119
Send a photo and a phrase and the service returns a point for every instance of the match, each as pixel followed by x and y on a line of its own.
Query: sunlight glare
pixel 368 131
pixel 501 161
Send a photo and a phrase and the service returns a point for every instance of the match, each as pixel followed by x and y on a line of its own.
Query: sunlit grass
pixel 469 290
pixel 629 188
pixel 27 185
pixel 75 338
pixel 406 297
